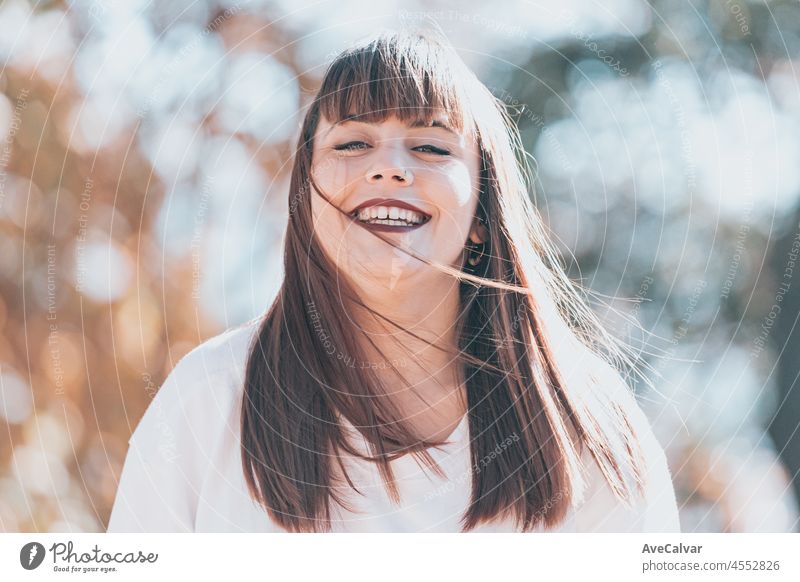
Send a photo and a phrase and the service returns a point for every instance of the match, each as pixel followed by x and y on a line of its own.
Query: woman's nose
pixel 392 174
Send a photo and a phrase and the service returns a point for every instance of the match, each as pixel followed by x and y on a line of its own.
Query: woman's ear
pixel 478 233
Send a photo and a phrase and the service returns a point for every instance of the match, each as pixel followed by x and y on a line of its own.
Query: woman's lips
pixel 391 227
pixel 389 203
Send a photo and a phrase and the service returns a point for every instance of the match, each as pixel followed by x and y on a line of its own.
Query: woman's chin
pixel 387 270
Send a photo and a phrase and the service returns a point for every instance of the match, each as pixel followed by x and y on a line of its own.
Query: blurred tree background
pixel 144 157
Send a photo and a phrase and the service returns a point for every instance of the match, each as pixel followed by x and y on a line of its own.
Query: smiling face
pixel 417 185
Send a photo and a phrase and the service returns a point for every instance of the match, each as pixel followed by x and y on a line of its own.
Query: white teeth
pixel 389 215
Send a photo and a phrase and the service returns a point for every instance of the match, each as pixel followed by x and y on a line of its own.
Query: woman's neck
pixel 428 309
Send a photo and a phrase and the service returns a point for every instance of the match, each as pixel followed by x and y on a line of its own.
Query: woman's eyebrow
pixel 413 125
pixel 435 123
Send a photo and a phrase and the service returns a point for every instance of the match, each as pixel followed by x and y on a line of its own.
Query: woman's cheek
pixel 460 204
pixel 459 182
pixel 330 174
pixel 341 172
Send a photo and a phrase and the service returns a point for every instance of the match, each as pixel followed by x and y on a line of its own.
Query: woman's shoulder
pixel 172 447
pixel 203 384
pixel 226 352
pixel 608 395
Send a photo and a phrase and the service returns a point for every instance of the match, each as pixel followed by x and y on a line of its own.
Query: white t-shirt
pixel 183 469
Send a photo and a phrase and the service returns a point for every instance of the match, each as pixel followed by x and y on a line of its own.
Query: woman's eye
pixel 434 150
pixel 354 146
pixel 351 146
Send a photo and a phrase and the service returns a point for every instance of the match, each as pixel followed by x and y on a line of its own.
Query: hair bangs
pixel 407 78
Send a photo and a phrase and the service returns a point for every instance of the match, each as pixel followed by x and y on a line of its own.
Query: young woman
pixel 426 366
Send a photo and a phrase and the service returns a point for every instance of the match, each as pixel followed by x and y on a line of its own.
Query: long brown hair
pixel 532 350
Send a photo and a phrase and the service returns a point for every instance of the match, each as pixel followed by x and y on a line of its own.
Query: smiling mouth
pixel 393 217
